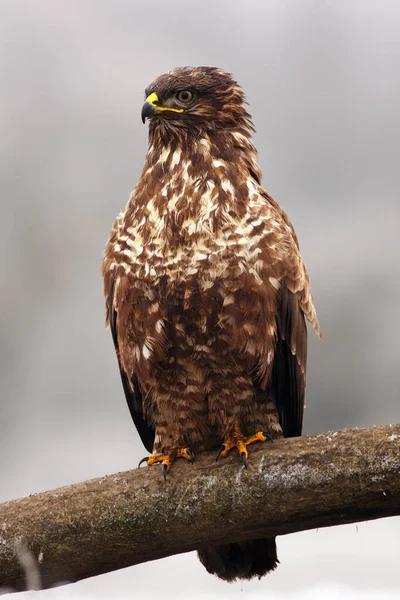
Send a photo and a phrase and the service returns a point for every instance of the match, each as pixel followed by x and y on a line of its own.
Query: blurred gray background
pixel 323 82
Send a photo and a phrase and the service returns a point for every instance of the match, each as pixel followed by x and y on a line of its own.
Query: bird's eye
pixel 185 96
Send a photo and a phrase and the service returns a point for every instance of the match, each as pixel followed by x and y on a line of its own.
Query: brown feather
pixel 206 291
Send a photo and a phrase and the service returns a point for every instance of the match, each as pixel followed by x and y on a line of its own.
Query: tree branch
pixel 121 520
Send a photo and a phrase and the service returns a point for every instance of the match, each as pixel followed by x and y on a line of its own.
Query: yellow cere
pixel 153 99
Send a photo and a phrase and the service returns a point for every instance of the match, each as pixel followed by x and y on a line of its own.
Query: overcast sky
pixel 323 82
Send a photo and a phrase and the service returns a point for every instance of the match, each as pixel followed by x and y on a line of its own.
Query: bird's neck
pixel 186 162
pixel 189 191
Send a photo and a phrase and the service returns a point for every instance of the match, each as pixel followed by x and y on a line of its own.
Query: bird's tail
pixel 241 560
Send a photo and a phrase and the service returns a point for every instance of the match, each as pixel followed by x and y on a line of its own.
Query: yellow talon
pixel 185 453
pixel 260 436
pixel 167 460
pixel 238 441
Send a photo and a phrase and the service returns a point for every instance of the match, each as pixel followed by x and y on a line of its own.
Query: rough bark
pixel 128 518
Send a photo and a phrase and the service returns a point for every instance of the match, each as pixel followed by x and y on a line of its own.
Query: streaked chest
pixel 203 230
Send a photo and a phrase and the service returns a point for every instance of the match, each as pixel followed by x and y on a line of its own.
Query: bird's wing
pixel 294 303
pixel 293 269
pixel 131 386
pixel 289 368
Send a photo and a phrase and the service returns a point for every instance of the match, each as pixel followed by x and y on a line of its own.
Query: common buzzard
pixel 206 292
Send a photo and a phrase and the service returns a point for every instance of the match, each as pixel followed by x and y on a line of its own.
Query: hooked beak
pixel 151 107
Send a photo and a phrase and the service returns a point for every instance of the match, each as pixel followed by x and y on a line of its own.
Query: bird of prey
pixel 206 292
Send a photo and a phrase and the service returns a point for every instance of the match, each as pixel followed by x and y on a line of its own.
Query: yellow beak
pixel 151 107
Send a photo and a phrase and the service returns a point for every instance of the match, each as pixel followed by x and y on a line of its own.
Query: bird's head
pixel 195 100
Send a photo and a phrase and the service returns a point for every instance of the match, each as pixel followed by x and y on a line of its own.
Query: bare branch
pixel 120 520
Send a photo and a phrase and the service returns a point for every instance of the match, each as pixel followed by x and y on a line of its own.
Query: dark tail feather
pixel 241 560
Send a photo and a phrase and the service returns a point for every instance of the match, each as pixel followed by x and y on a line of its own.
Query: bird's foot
pixel 240 442
pixel 168 459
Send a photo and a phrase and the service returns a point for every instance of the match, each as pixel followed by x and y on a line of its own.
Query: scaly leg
pixel 240 442
pixel 168 459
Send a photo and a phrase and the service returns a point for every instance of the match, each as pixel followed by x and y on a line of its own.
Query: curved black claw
pixel 219 452
pixel 244 459
pixel 145 459
pixel 268 436
pixel 164 470
pixel 191 455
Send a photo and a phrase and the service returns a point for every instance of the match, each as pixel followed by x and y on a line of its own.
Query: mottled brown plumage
pixel 205 288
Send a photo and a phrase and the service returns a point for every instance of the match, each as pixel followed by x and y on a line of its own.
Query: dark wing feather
pixel 289 372
pixel 131 388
